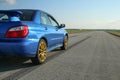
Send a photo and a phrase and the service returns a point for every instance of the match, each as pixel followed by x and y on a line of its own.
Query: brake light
pixel 17 32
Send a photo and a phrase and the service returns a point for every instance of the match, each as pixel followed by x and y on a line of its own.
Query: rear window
pixel 26 16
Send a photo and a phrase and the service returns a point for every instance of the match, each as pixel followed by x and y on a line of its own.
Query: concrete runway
pixel 90 56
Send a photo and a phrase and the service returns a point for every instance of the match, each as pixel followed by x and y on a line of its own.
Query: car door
pixel 50 31
pixel 59 35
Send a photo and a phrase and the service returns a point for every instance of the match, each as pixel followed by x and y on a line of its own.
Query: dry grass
pixel 72 31
pixel 115 32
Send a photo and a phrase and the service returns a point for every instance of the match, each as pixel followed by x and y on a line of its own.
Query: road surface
pixel 90 56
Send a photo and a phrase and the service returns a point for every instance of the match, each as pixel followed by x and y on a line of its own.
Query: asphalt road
pixel 90 56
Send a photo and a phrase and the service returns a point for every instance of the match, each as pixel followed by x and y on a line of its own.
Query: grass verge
pixel 72 31
pixel 116 32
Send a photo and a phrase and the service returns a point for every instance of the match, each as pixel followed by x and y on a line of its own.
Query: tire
pixel 41 53
pixel 65 43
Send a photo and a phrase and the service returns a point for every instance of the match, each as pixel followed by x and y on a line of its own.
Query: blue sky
pixel 74 13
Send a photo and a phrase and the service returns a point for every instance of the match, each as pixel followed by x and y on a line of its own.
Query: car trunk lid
pixel 8 19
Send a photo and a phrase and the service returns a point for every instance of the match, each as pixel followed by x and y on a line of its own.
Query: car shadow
pixel 13 63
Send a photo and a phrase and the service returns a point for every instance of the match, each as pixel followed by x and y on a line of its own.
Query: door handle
pixel 45 28
pixel 56 29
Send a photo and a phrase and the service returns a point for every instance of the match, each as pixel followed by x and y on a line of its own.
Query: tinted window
pixel 27 15
pixel 44 19
pixel 53 22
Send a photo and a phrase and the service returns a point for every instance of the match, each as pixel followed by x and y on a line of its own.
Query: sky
pixel 80 14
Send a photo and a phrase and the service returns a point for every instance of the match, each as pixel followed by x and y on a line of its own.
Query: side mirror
pixel 62 26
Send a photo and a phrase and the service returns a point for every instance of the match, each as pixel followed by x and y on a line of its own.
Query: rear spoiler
pixel 11 12
pixel 14 15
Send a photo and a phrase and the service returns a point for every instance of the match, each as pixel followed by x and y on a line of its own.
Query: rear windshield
pixel 26 16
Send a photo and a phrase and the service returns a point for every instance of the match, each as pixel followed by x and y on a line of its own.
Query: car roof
pixel 30 10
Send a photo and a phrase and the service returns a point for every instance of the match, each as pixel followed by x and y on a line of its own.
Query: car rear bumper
pixel 24 48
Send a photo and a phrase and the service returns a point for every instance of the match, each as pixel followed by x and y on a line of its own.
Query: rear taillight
pixel 17 32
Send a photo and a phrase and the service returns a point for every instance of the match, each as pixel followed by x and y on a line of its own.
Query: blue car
pixel 30 33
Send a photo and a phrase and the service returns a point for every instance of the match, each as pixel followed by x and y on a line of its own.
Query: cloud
pixel 11 2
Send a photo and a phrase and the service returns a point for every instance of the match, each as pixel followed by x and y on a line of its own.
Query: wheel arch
pixel 67 35
pixel 45 40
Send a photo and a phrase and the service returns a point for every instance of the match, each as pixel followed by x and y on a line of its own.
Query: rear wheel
pixel 41 53
pixel 65 43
